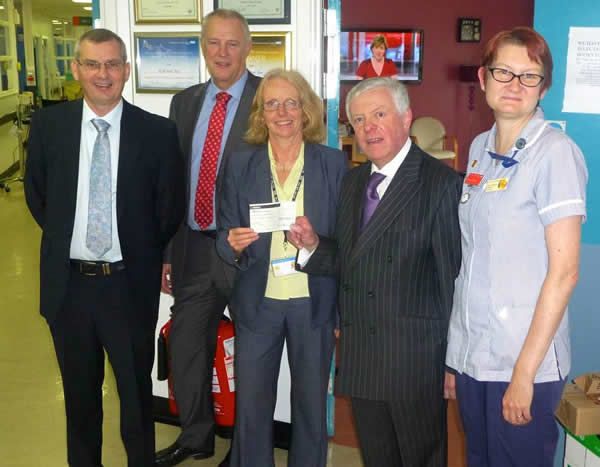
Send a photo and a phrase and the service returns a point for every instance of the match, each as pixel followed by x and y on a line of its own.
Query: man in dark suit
pixel 198 279
pixel 102 183
pixel 397 253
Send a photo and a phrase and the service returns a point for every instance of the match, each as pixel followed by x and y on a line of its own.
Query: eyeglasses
pixel 94 66
pixel 288 104
pixel 530 80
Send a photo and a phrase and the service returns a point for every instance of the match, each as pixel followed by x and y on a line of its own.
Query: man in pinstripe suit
pixel 396 253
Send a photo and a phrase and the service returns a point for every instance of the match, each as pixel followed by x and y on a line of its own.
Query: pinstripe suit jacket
pixel 396 280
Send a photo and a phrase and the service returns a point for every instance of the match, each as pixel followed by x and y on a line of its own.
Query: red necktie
pixel 205 191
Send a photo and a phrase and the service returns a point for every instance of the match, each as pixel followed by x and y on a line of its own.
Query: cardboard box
pixel 579 408
pixel 582 451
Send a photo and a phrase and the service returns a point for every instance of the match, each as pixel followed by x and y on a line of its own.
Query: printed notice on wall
pixel 582 85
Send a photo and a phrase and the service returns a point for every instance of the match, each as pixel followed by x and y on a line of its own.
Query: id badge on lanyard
pixel 285 266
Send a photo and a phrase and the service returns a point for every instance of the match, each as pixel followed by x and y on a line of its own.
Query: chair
pixel 430 135
pixel 357 157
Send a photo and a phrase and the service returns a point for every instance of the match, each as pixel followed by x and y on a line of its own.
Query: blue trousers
pixel 491 440
pixel 257 360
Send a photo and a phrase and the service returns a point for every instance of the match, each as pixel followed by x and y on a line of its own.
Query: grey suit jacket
pixel 247 181
pixel 396 280
pixel 185 110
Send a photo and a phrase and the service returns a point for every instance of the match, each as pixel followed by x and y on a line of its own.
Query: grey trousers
pixel 257 360
pixel 201 290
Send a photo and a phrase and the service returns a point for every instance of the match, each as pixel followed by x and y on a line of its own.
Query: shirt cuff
pixel 303 256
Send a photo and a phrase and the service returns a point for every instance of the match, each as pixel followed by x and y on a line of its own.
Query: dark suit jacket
pixel 149 199
pixel 247 181
pixel 396 280
pixel 185 110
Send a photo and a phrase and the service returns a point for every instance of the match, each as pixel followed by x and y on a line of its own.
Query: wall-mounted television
pixel 405 53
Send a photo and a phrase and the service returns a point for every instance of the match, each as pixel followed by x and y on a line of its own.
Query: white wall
pixel 307 42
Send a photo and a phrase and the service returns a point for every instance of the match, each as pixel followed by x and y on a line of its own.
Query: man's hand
pixel 165 282
pixel 302 235
pixel 240 237
pixel 449 386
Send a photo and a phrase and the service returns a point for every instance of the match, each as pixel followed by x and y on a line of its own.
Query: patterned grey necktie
pixel 99 227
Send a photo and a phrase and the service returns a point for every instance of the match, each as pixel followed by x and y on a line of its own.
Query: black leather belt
pixel 96 268
pixel 209 233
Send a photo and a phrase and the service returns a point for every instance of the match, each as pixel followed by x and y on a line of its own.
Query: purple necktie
pixel 371 198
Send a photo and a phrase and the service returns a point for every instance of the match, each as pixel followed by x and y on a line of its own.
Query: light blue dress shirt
pixel 89 133
pixel 504 254
pixel 210 98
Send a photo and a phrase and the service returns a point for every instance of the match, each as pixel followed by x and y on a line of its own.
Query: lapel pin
pixel 465 197
pixel 474 163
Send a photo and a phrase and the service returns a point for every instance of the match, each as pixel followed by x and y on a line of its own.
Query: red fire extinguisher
pixel 223 375
pixel 163 342
pixel 223 382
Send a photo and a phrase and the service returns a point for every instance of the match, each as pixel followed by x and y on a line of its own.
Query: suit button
pixel 389 259
pixel 345 287
pixel 372 329
pixel 371 294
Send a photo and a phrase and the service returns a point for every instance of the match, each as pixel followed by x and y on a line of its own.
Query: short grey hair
pixel 396 88
pixel 98 36
pixel 224 13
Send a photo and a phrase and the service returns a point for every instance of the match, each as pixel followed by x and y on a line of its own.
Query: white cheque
pixel 271 217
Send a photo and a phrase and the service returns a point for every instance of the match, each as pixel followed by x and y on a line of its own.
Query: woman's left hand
pixel 516 403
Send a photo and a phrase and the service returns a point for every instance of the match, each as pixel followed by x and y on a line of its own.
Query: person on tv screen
pixel 377 65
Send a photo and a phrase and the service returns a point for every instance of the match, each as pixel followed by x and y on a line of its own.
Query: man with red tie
pixel 211 118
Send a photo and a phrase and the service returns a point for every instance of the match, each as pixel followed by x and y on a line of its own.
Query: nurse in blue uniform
pixel 521 211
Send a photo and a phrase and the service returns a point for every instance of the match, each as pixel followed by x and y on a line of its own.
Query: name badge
pixel 284 266
pixel 497 184
pixel 473 179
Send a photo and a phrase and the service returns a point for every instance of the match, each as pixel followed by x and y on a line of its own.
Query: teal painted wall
pixel 552 19
pixel 95 9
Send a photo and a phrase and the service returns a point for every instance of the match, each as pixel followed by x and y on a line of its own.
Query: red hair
pixel 537 49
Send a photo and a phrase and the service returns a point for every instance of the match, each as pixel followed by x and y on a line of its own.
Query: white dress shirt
pixel 86 147
pixel 390 169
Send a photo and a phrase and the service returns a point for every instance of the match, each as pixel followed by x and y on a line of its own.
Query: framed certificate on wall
pixel 269 50
pixel 167 11
pixel 166 62
pixel 260 11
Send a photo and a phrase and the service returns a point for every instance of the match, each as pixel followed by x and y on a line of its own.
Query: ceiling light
pixel 88 8
pixel 82 1
pixel 65 22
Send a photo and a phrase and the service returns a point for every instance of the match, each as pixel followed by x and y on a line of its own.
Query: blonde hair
pixel 378 41
pixel 313 127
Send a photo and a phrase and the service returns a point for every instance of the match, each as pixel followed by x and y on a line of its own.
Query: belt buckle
pixel 82 270
pixel 106 269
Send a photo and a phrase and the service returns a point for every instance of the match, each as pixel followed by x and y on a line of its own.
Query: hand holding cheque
pixel 271 217
pixel 264 217
pixel 302 235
